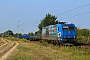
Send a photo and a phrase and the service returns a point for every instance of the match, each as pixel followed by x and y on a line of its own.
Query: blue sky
pixel 30 12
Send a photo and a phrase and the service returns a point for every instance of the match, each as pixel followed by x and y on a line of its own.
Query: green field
pixel 27 50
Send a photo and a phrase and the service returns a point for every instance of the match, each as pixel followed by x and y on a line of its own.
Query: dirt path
pixel 7 49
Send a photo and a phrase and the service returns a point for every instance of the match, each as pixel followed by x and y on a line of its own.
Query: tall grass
pixel 17 39
pixel 83 39
pixel 73 52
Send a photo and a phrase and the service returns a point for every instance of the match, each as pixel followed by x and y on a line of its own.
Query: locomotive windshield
pixel 68 27
pixel 71 28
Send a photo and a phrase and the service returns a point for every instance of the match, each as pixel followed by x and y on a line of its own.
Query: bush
pixel 25 40
pixel 13 38
pixel 83 35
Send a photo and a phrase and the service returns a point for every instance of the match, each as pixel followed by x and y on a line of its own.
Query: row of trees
pixel 10 33
pixel 7 33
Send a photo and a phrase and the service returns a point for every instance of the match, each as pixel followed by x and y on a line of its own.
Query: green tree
pixel 38 33
pixel 31 34
pixel 8 33
pixel 48 20
pixel 1 34
pixel 17 34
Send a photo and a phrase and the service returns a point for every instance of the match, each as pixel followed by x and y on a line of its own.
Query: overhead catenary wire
pixel 74 9
pixel 65 5
pixel 75 15
pixel 21 24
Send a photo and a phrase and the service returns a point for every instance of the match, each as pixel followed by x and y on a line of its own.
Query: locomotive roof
pixel 61 22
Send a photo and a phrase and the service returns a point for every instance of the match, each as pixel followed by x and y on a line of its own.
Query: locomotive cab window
pixel 68 27
pixel 65 27
pixel 71 28
pixel 58 28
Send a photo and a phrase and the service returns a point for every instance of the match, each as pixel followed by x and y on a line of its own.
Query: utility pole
pixel 17 28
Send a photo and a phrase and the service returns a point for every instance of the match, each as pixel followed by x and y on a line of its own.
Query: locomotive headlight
pixel 73 36
pixel 64 36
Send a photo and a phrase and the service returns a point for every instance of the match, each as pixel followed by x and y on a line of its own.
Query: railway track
pixel 59 43
pixel 5 48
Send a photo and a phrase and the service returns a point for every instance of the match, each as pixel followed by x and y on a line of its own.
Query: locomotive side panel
pixel 49 32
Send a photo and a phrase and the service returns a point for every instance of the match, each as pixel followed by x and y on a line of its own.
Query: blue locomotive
pixel 62 32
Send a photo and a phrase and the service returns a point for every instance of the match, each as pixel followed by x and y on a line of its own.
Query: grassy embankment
pixel 27 50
